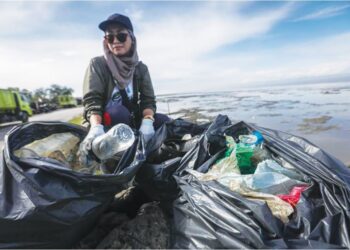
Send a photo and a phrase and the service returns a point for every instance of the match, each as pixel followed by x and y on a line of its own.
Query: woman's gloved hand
pixel 85 146
pixel 147 129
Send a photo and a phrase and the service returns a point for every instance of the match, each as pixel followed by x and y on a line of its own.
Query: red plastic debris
pixel 294 196
pixel 107 121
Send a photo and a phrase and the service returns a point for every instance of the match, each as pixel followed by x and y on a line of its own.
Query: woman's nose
pixel 115 40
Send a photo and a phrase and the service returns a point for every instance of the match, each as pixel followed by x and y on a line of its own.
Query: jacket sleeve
pixel 147 97
pixel 93 90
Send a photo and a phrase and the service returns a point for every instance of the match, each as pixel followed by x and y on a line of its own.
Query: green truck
pixel 66 101
pixel 14 106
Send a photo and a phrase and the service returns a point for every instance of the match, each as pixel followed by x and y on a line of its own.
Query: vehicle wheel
pixel 24 117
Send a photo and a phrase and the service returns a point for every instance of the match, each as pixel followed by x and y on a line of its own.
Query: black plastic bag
pixel 209 215
pixel 167 142
pixel 45 205
pixel 164 153
pixel 168 155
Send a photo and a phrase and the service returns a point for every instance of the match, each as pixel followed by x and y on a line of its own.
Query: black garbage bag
pixel 209 215
pixel 45 205
pixel 164 152
pixel 167 142
pixel 167 154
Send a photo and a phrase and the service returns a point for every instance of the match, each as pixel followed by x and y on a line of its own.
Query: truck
pixel 66 101
pixel 14 106
pixel 42 106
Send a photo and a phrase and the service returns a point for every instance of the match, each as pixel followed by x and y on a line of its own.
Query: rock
pixel 106 223
pixel 149 229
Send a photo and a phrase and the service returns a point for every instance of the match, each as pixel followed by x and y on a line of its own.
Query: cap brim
pixel 103 26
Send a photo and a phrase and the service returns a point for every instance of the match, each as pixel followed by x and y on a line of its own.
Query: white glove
pixel 147 129
pixel 85 146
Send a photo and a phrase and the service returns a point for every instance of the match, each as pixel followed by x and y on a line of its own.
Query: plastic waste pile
pixel 281 192
pixel 246 168
pixel 236 188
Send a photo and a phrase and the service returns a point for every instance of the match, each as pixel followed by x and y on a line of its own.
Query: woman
pixel 117 86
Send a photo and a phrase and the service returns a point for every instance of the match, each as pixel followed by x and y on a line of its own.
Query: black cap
pixel 119 19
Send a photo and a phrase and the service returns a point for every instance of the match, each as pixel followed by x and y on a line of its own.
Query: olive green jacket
pixel 99 85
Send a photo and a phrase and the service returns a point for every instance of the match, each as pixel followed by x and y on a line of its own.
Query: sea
pixel 318 112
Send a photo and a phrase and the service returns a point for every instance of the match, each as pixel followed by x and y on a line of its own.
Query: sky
pixel 196 46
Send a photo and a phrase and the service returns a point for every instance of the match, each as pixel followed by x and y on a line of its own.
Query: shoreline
pixel 309 125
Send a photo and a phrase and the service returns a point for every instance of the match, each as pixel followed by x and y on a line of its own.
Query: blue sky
pixel 188 46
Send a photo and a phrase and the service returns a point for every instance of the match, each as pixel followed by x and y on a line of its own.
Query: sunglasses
pixel 121 37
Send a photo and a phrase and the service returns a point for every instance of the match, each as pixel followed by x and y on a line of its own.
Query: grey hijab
pixel 122 67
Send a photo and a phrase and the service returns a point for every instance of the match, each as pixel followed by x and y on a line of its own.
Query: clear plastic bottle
pixel 119 138
pixel 254 138
pixel 248 139
pixel 260 154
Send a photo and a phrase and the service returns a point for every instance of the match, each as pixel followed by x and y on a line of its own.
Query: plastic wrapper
pixel 228 164
pixel 294 196
pixel 279 208
pixel 269 177
pixel 63 147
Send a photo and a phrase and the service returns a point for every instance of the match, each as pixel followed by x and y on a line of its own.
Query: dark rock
pixel 124 207
pixel 106 223
pixel 149 229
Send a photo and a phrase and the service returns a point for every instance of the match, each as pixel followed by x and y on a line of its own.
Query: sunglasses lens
pixel 109 38
pixel 122 37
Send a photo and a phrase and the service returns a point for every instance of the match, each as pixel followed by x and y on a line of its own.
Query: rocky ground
pixel 148 230
pixel 129 223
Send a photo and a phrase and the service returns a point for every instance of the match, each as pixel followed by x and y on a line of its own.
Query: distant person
pixel 117 86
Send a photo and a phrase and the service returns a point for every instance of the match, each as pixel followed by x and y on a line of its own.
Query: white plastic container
pixel 119 138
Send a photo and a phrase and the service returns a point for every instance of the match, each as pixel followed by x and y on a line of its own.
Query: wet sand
pixel 319 113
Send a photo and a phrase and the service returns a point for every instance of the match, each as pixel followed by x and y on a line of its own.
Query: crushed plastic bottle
pixel 119 138
pixel 248 139
pixel 252 139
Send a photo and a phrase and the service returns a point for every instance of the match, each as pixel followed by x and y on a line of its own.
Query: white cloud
pixel 184 51
pixel 134 13
pixel 21 16
pixel 311 61
pixel 324 13
pixel 177 46
pixel 38 64
pixel 195 33
pixel 171 44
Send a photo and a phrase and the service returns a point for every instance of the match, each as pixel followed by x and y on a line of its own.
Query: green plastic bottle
pixel 244 154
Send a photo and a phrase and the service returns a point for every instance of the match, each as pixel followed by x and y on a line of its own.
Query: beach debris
pixel 62 147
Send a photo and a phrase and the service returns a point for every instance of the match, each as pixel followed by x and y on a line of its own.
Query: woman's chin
pixel 118 52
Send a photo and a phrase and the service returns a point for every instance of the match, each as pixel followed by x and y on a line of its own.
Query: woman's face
pixel 118 48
